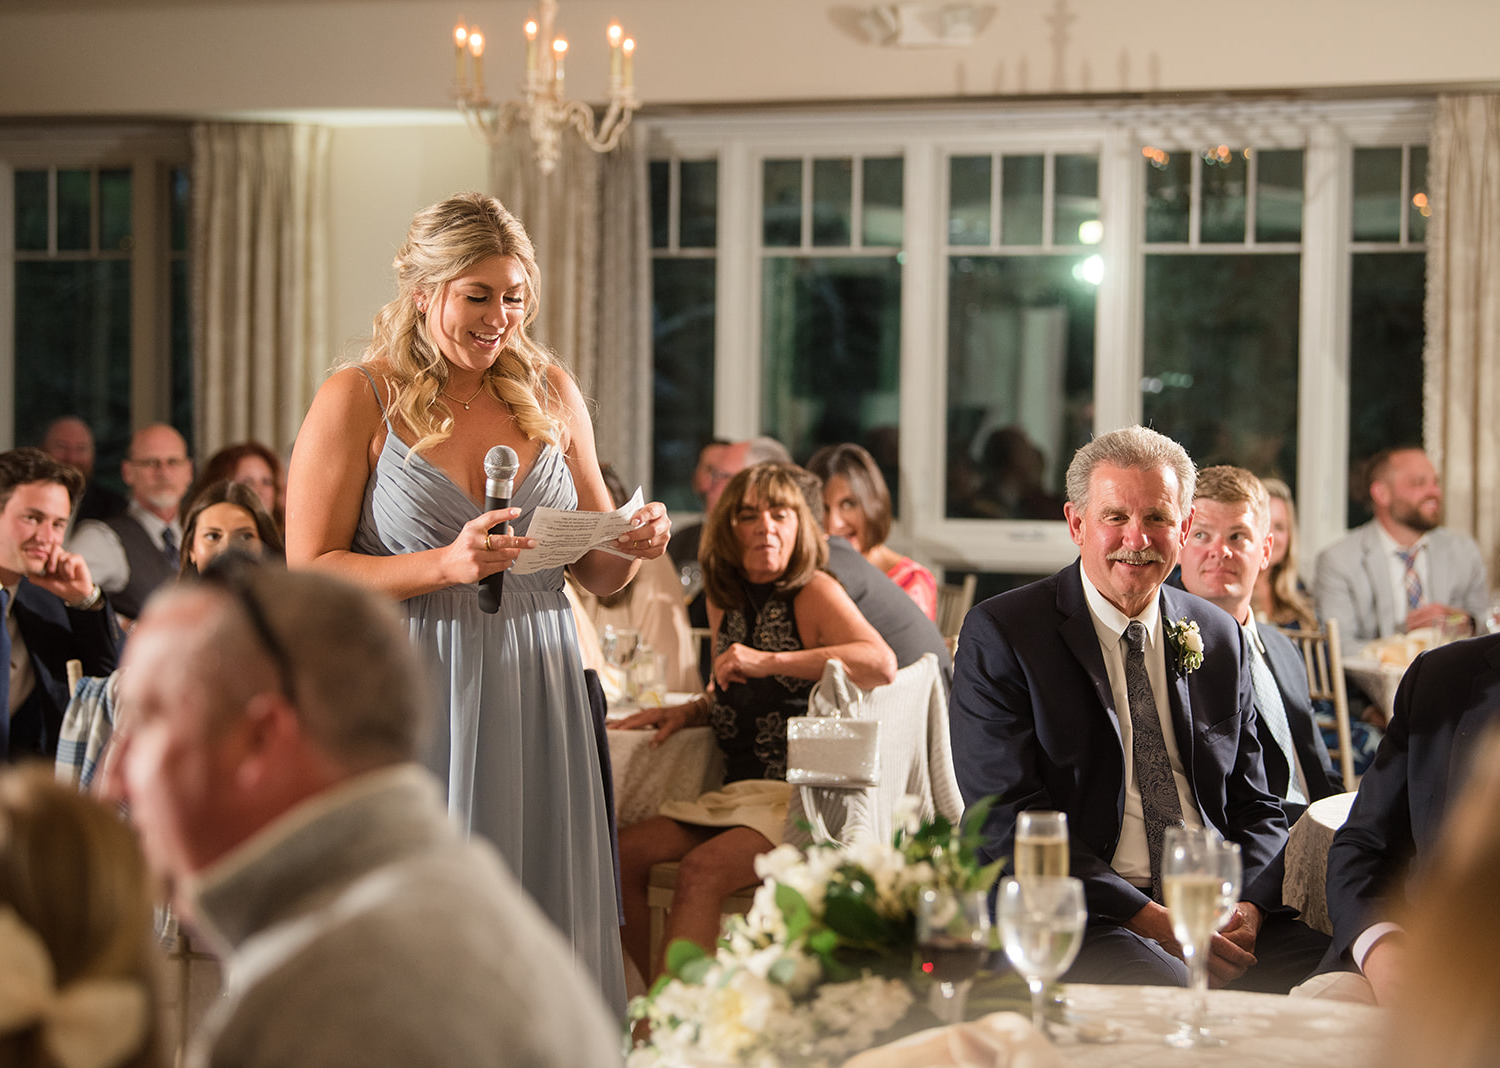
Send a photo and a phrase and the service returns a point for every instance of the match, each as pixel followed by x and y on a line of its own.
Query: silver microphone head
pixel 501 463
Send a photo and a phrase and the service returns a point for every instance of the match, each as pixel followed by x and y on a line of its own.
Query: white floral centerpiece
pixel 819 966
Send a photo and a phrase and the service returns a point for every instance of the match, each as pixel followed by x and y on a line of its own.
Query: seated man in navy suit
pixel 1447 698
pixel 1128 706
pixel 53 611
pixel 1228 545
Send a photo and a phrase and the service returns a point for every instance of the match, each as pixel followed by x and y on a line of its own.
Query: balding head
pixel 249 692
pixel 157 469
pixel 69 440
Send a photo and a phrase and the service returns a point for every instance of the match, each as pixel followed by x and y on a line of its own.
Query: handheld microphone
pixel 500 467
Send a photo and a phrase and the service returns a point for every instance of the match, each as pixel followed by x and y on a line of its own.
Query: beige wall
pixel 109 57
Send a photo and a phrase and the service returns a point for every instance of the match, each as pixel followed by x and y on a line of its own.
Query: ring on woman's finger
pixel 487 543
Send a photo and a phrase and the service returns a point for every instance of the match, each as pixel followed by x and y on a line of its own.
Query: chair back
pixel 1325 682
pixel 953 603
pixel 913 754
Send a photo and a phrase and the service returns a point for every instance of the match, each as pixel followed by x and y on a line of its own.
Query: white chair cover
pixel 915 757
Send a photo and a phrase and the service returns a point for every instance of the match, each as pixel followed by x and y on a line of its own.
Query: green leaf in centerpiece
pixel 782 971
pixel 854 920
pixel 680 954
pixel 794 911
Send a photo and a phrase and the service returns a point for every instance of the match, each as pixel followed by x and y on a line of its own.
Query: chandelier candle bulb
pixel 476 49
pixel 628 48
pixel 559 53
pixel 615 34
pixel 530 49
pixel 460 41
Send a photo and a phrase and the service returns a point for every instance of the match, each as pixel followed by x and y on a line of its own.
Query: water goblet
pixel 1041 923
pixel 1201 884
pixel 953 935
pixel 619 645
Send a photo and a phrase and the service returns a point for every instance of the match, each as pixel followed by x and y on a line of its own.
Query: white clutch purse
pixel 832 745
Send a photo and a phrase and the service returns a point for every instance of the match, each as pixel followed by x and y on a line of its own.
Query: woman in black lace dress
pixel 777 618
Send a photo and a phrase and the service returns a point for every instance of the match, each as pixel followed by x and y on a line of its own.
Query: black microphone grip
pixel 492 586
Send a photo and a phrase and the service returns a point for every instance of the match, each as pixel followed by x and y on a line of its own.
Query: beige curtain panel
pixel 260 280
pixel 588 221
pixel 1462 355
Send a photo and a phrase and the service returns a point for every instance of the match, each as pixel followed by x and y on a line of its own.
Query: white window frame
pixel 1326 130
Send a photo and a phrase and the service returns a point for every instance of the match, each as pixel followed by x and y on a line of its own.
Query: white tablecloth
pixel 1267 1029
pixel 1377 680
pixel 1304 887
pixel 684 766
pixel 1257 1029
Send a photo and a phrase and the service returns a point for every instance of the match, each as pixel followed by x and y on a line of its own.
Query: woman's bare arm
pixel 831 627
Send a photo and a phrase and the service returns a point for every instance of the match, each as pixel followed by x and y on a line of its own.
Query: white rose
pixel 1192 640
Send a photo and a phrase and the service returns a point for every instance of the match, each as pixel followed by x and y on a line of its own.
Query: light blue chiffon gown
pixel 513 736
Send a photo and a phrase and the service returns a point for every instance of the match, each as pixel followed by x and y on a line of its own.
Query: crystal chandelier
pixel 545 111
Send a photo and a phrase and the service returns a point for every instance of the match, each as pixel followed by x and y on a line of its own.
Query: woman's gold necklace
pixel 465 403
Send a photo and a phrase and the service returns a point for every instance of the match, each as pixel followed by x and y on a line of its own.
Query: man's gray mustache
pixel 1136 556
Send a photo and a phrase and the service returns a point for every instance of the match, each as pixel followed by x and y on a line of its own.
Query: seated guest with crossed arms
pixel 1228 546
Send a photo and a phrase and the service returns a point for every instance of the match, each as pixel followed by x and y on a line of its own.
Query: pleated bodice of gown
pixel 512 736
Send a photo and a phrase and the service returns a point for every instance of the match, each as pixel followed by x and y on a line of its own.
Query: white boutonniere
pixel 1186 643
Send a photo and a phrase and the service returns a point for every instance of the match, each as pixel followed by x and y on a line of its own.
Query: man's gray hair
pixel 766 450
pixel 361 693
pixel 1135 448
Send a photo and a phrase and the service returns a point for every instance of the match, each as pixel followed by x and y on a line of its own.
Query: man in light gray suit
pixel 1401 570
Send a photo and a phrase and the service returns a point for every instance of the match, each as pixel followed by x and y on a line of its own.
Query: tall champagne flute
pixel 1201 884
pixel 953 935
pixel 1041 844
pixel 1041 923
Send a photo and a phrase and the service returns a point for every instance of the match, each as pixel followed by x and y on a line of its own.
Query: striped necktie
pixel 169 548
pixel 1272 709
pixel 1413 580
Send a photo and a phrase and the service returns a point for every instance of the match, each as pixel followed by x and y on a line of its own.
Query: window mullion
pixel 1323 342
pixel 737 321
pixel 1118 345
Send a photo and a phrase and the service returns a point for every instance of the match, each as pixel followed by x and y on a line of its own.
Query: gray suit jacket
pixel 1353 583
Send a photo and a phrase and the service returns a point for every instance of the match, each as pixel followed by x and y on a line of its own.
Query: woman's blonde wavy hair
pixel 446 241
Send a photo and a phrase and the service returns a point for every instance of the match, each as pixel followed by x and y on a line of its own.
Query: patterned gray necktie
pixel 1153 768
pixel 1273 710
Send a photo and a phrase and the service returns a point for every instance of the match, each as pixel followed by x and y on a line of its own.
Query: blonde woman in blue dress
pixel 387 488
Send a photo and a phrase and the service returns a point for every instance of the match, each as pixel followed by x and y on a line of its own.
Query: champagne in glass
pixel 1199 875
pixel 1041 844
pixel 953 935
pixel 1041 922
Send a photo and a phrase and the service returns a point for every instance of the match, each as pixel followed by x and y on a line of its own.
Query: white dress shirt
pixel 1132 858
pixel 101 549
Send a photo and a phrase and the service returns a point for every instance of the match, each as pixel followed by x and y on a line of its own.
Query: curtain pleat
pixel 1462 350
pixel 588 222
pixel 260 279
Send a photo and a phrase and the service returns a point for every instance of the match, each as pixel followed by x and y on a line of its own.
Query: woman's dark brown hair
pixel 240 495
pixel 722 555
pixel 857 467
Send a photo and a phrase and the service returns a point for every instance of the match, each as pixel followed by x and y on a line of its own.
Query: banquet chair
pixel 837 800
pixel 953 603
pixel 914 757
pixel 1325 682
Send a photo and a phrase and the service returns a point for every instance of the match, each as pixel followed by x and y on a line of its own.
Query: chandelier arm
pixel 581 117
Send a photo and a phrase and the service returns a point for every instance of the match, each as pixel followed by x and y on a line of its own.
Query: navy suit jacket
pixel 1447 698
pixel 55 634
pixel 1034 722
pixel 1307 741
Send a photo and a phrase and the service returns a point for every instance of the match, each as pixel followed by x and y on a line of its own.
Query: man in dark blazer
pixel 1447 699
pixel 52 610
pixel 1050 711
pixel 1228 546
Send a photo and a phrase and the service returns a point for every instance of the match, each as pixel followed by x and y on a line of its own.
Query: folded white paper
pixel 563 536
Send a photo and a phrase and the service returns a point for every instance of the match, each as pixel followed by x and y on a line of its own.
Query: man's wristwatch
pixel 95 596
